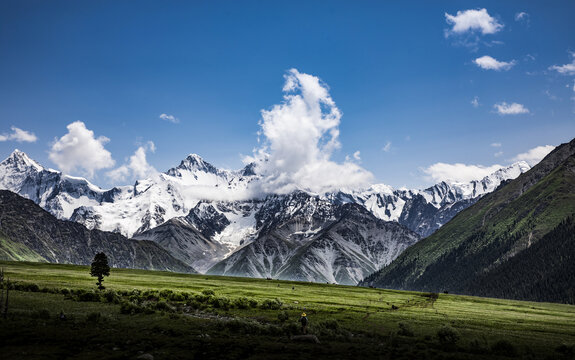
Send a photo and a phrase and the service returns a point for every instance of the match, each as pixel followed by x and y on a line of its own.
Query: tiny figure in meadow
pixel 304 321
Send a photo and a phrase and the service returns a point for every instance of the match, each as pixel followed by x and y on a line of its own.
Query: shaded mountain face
pixel 505 235
pixel 311 239
pixel 27 232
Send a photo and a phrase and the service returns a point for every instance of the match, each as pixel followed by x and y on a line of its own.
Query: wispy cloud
pixel 80 150
pixel 522 17
pixel 504 108
pixel 387 147
pixel 535 155
pixel 300 135
pixel 475 102
pixel 18 135
pixel 495 144
pixel 471 21
pixel 170 118
pixel 488 63
pixel 567 69
pixel 357 155
pixel 498 154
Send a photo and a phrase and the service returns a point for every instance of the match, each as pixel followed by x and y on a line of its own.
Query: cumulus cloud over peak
pixel 458 172
pixel 510 109
pixel 80 150
pixel 300 135
pixel 19 135
pixel 488 63
pixel 137 167
pixel 473 20
pixel 535 155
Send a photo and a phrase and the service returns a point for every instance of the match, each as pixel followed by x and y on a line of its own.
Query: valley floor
pixel 175 316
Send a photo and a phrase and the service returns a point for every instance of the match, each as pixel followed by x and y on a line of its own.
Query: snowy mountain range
pixel 212 220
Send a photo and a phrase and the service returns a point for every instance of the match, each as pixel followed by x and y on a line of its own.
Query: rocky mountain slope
pixel 150 202
pixel 27 232
pixel 307 238
pixel 506 245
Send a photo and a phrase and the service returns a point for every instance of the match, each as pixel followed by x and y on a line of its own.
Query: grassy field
pixel 172 316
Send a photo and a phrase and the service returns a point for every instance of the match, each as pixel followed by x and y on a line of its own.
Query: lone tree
pixel 100 268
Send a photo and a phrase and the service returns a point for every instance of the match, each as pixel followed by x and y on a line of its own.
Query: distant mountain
pixel 516 242
pixel 203 215
pixel 307 238
pixel 132 210
pixel 425 211
pixel 29 233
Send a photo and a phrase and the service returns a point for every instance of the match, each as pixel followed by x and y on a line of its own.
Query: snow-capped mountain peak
pixel 193 163
pixel 21 161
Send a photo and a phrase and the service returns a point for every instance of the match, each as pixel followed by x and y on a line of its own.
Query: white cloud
pixel 475 102
pixel 19 135
pixel 498 154
pixel 472 20
pixel 567 69
pixel 522 16
pixel 387 147
pixel 496 144
pixel 78 149
pixel 488 63
pixel 356 156
pixel 533 156
pixel 170 118
pixel 137 167
pixel 301 134
pixel 458 172
pixel 510 109
pixel 573 85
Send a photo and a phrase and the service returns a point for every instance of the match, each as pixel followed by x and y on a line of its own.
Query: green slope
pixel 10 250
pixel 351 322
pixel 482 238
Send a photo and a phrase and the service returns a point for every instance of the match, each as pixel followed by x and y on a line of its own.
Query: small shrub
pixel 202 298
pixel 64 291
pixel 163 306
pixel 110 296
pixel 505 348
pixel 447 335
pixel 241 303
pixel 166 293
pixel 136 299
pixel 253 303
pixel 129 308
pixel 220 302
pixel 31 287
pixel 89 297
pixel 208 292
pixel 405 330
pixel 283 316
pixel 274 304
pixel 176 297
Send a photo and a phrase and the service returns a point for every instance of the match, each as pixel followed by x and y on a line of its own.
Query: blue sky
pixel 404 77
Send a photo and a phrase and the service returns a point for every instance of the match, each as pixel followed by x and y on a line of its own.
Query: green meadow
pixel 179 316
